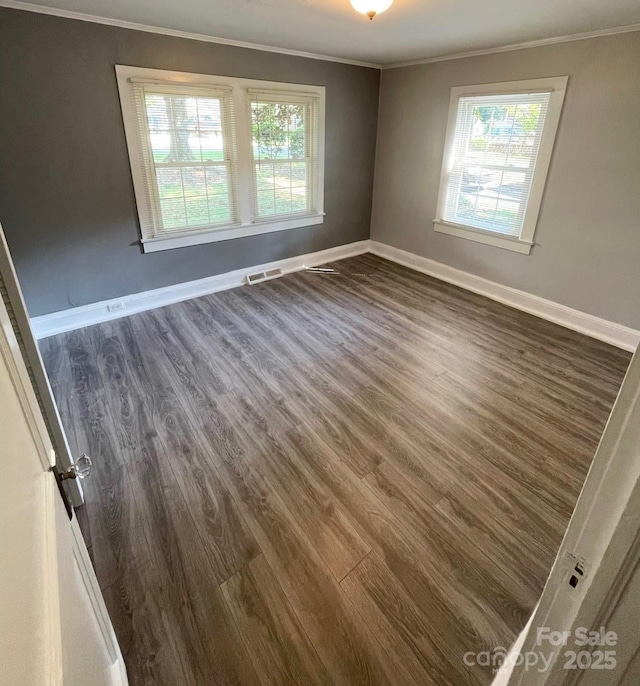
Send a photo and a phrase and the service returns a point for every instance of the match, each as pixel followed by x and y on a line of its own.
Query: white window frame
pixel 557 85
pixel 247 226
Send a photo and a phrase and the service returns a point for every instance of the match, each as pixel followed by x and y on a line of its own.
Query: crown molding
pixel 68 14
pixel 629 28
pixel 95 19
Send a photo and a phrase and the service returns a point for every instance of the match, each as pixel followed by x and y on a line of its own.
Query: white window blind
pixel 285 153
pixel 216 157
pixel 493 158
pixel 189 159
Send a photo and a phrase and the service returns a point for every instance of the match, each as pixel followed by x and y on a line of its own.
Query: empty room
pixel 317 342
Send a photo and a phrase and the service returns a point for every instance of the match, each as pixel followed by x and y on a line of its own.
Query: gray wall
pixel 587 252
pixel 66 199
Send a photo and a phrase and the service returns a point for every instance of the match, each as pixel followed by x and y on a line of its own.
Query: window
pixel 497 154
pixel 284 158
pixel 215 158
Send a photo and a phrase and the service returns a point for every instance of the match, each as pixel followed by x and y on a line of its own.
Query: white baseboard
pixel 609 332
pixel 95 313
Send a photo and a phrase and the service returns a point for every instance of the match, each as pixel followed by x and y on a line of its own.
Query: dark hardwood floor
pixel 331 478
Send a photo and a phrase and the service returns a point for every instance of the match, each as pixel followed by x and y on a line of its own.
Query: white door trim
pixel 10 351
pixel 95 594
pixel 602 536
pixel 29 349
pixel 12 355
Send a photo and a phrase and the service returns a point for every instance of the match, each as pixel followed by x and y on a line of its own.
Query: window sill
pixel 480 236
pixel 228 233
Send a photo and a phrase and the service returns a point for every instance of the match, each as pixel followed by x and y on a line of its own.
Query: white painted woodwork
pixel 409 32
pixel 54 628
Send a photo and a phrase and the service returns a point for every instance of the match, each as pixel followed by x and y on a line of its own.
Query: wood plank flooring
pixel 348 477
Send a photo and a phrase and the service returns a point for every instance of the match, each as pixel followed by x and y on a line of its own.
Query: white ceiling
pixel 409 30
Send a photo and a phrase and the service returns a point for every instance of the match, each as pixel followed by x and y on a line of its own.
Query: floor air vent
pixel 263 276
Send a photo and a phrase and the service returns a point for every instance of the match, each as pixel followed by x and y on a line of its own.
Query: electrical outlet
pixel 114 307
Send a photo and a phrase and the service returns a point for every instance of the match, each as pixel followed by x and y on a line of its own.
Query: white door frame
pixel 92 587
pixel 603 537
pixel 33 360
pixel 12 356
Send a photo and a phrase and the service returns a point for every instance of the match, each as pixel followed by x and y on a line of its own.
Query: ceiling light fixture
pixel 371 7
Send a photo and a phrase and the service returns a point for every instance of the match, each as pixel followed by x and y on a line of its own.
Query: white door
pixel 595 580
pixel 54 628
